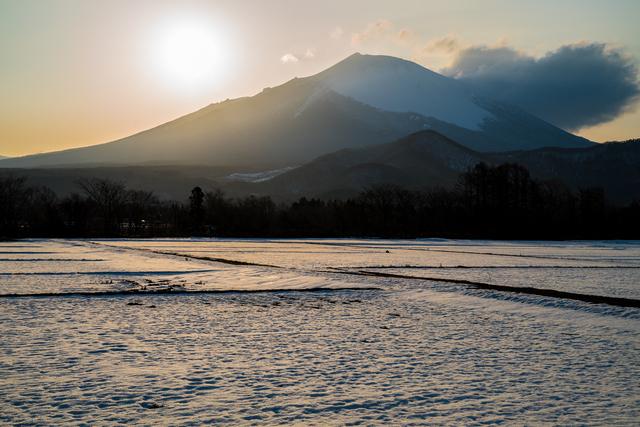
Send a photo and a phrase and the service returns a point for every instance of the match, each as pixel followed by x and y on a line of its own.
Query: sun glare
pixel 191 56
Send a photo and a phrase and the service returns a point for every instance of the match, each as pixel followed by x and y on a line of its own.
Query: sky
pixel 75 73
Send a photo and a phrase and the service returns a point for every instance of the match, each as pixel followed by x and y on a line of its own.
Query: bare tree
pixel 76 214
pixel 109 196
pixel 14 198
pixel 217 210
pixel 381 201
pixel 140 205
pixel 44 212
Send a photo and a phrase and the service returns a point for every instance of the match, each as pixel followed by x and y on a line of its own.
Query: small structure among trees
pixel 496 202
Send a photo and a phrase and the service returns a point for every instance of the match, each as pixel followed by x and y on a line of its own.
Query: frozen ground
pixel 410 352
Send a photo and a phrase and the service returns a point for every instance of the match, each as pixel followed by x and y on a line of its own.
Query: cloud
pixel 375 29
pixel 337 33
pixel 576 86
pixel 289 57
pixel 295 58
pixel 404 36
pixel 440 45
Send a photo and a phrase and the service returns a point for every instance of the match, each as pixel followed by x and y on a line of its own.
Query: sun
pixel 190 55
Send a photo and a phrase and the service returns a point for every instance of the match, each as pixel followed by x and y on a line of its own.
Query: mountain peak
pixel 401 86
pixel 361 101
pixel 359 63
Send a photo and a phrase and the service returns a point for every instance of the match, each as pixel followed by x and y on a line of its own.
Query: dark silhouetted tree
pixel 45 217
pixel 217 212
pixel 14 199
pixel 109 196
pixel 255 216
pixel 593 211
pixel 141 210
pixel 380 202
pixel 196 209
pixel 76 214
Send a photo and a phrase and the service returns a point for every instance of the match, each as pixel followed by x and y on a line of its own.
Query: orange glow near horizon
pixel 621 129
pixel 77 73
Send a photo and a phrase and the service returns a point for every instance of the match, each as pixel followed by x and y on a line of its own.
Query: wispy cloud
pixel 404 36
pixel 576 86
pixel 294 58
pixel 337 33
pixel 375 29
pixel 289 58
pixel 440 45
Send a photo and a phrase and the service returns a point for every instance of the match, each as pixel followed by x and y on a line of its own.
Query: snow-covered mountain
pixel 363 100
pixel 394 85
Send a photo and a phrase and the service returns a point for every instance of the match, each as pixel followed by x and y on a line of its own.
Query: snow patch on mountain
pixel 401 86
pixel 259 177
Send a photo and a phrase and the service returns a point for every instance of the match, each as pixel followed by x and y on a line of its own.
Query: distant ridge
pixel 422 158
pixel 614 166
pixel 363 100
pixel 427 158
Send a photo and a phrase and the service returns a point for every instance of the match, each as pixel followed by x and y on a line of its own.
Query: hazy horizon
pixel 79 74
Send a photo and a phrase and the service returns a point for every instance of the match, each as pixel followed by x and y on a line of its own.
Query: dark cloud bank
pixel 577 86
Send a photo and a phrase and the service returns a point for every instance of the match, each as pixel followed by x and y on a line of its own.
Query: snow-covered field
pixel 347 332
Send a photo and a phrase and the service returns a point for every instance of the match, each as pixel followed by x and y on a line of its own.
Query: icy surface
pixel 402 86
pixel 412 352
pixel 595 268
pixel 57 266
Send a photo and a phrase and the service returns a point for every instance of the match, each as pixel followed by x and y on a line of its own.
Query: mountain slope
pixel 615 166
pixel 363 100
pixel 422 158
pixel 427 158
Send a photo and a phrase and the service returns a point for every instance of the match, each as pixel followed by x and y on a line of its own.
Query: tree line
pixel 493 202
